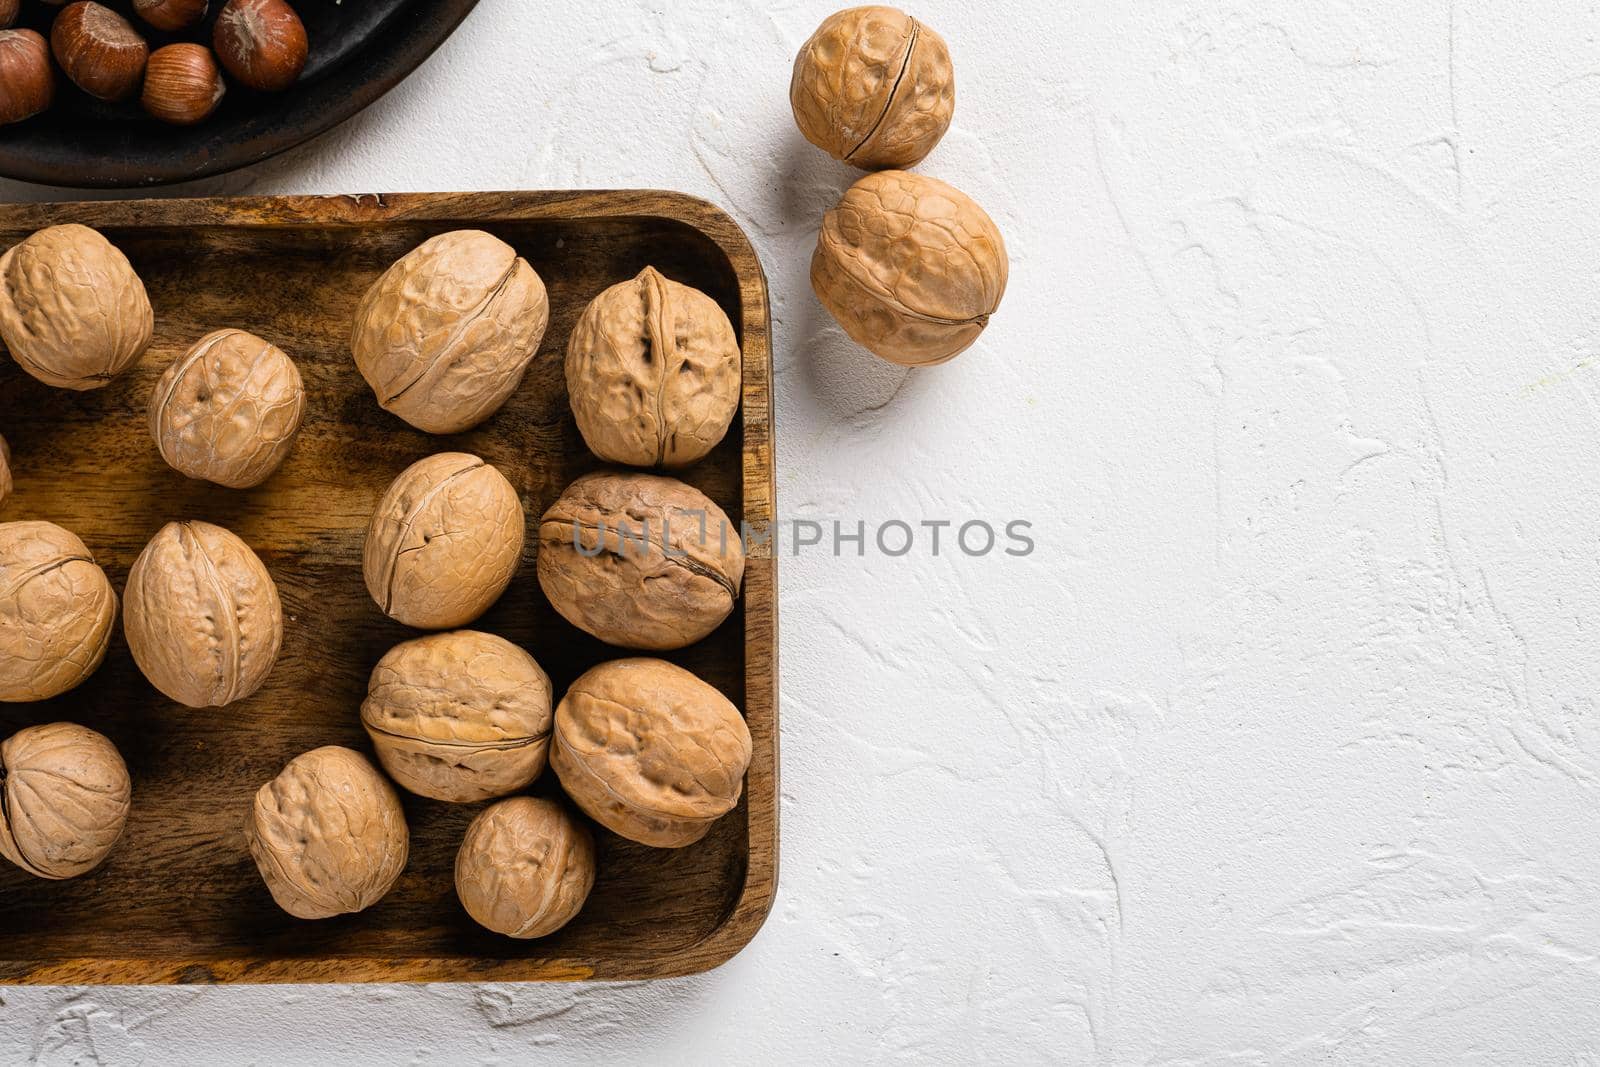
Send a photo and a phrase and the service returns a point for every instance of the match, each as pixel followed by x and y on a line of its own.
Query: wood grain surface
pixel 179 900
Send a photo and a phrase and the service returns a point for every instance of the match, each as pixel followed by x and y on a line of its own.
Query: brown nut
pixel 182 84
pixel 910 267
pixel 56 611
pixel 72 311
pixel 27 81
pixel 444 542
pixel 65 799
pixel 202 616
pixel 525 867
pixel 639 560
pixel 99 50
pixel 650 751
pixel 261 42
pixel 8 12
pixel 327 834
pixel 653 373
pixel 171 15
pixel 445 335
pixel 228 410
pixel 461 716
pixel 873 87
pixel 5 471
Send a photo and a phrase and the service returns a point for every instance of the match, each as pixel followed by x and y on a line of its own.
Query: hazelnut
pixel 639 560
pixel 99 50
pixel 72 311
pixel 8 12
pixel 57 608
pixel 5 471
pixel 327 834
pixel 182 84
pixel 64 795
pixel 650 751
pixel 910 267
pixel 27 82
pixel 653 373
pixel 461 716
pixel 445 335
pixel 202 616
pixel 261 42
pixel 444 542
pixel 525 867
pixel 873 87
pixel 171 15
pixel 228 410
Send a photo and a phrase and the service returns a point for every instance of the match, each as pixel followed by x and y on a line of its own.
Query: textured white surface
pixel 1284 745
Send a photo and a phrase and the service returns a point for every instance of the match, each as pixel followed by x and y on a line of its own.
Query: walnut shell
pixel 461 716
pixel 653 373
pixel 202 615
pixel 873 87
pixel 910 267
pixel 56 611
pixel 65 799
pixel 639 560
pixel 650 751
pixel 444 542
pixel 72 311
pixel 327 834
pixel 525 867
pixel 5 471
pixel 228 410
pixel 445 335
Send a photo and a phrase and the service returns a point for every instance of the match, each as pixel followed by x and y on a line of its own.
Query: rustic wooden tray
pixel 179 900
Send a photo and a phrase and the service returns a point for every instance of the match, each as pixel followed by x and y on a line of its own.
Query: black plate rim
pixel 396 50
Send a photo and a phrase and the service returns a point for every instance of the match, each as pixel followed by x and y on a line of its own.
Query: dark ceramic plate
pixel 360 49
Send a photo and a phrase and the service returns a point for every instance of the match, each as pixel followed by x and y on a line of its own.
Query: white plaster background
pixel 1284 746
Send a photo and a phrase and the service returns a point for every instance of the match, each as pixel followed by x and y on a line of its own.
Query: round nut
pixel 65 799
pixel 639 560
pixel 56 612
pixel 5 471
pixel 910 267
pixel 461 717
pixel 202 617
pixel 99 50
pixel 27 81
pixel 650 751
pixel 444 542
pixel 261 42
pixel 873 87
pixel 171 15
pixel 227 411
pixel 8 12
pixel 72 311
pixel 327 834
pixel 653 373
pixel 446 334
pixel 182 84
pixel 525 867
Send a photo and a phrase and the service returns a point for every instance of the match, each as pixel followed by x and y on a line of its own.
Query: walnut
pixel 525 867
pixel 650 751
pixel 5 471
pixel 327 834
pixel 56 611
pixel 462 716
pixel 64 795
pixel 653 373
pixel 444 542
pixel 910 267
pixel 445 335
pixel 873 87
pixel 639 560
pixel 202 617
pixel 72 311
pixel 227 411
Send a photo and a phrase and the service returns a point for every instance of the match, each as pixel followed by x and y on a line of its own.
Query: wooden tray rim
pixel 759 891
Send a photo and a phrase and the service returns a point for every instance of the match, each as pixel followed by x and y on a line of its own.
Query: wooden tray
pixel 179 899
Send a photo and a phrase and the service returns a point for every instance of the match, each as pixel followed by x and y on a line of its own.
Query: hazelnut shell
pixel 262 43
pixel 27 79
pixel 57 609
pixel 66 798
pixel 525 867
pixel 72 311
pixel 182 84
pixel 650 751
pixel 171 15
pixel 99 50
pixel 653 373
